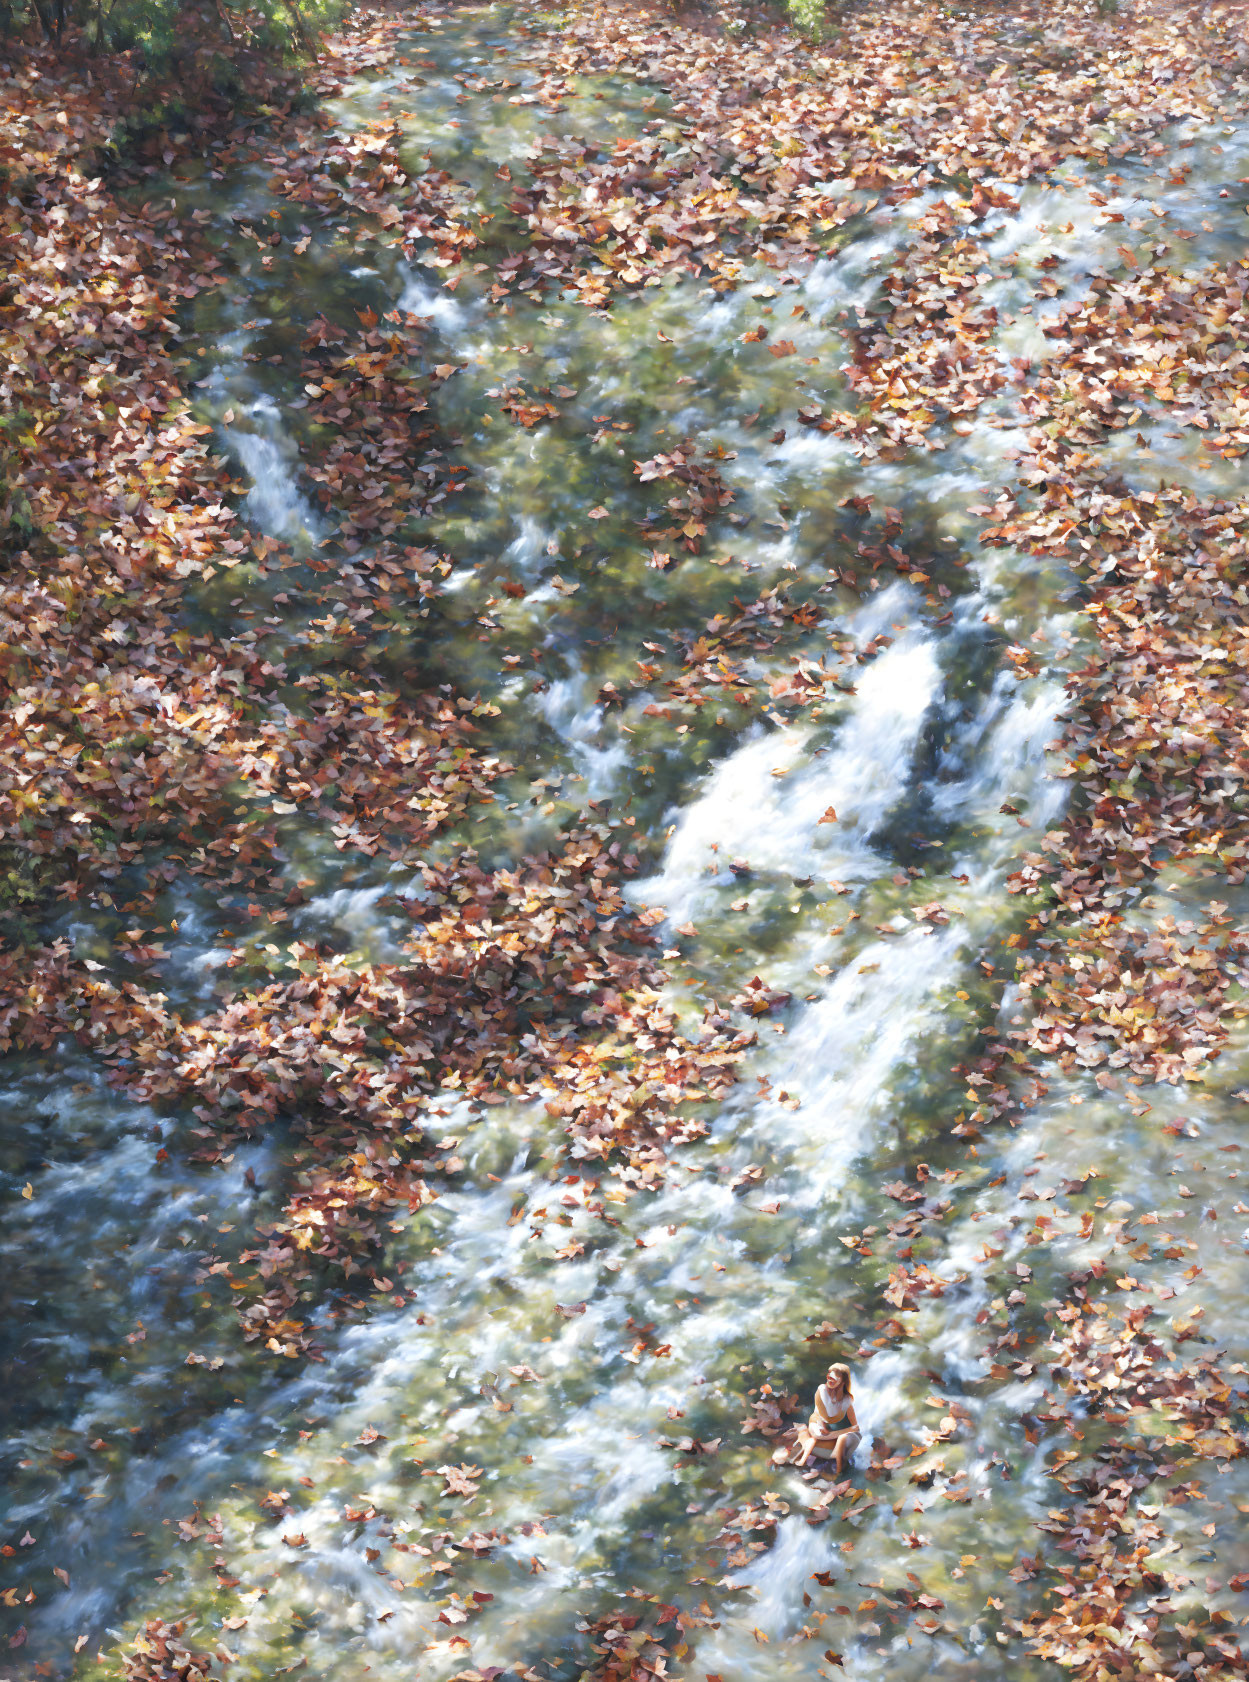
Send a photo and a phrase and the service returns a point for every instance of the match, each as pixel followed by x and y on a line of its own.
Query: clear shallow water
pixel 701 1292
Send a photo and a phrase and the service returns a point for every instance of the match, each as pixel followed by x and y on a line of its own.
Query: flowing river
pixel 609 1441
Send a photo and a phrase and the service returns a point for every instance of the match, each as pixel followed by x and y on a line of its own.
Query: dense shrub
pixel 165 37
pixel 810 16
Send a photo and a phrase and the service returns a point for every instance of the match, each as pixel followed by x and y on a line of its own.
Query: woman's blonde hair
pixel 840 1370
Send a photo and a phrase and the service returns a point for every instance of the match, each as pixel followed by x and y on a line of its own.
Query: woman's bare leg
pixel 847 1442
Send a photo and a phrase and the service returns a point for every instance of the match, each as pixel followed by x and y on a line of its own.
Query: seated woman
pixel 832 1430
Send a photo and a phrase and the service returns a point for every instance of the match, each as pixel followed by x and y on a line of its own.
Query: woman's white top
pixel 824 1406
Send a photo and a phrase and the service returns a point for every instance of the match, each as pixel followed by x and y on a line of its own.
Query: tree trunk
pixel 45 22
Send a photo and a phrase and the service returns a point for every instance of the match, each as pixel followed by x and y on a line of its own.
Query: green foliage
pixel 25 885
pixel 200 44
pixel 16 525
pixel 810 16
pixel 740 21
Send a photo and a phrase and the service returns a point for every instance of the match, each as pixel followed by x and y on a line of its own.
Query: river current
pixel 608 1440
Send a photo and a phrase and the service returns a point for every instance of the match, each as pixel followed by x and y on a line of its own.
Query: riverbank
pixel 536 607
